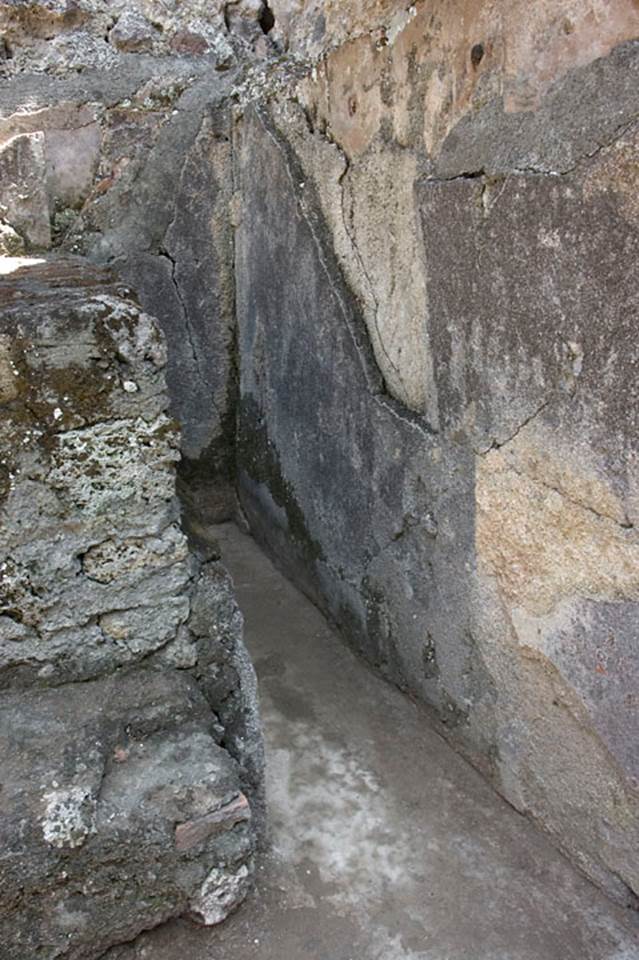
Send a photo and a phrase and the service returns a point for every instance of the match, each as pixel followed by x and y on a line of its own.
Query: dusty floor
pixel 385 845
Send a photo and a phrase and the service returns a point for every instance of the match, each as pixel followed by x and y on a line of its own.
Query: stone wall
pixel 129 736
pixel 114 144
pixel 438 410
pixel 409 230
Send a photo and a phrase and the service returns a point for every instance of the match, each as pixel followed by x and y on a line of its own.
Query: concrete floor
pixel 385 845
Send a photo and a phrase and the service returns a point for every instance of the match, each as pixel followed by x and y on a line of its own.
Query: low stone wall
pixel 122 664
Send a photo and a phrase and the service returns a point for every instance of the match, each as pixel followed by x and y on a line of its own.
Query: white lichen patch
pixel 69 816
pixel 115 559
pixel 222 891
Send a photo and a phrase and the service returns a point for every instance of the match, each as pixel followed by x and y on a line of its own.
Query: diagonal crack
pixel 498 444
pixel 352 314
pixel 503 174
pixel 625 524
pixel 163 252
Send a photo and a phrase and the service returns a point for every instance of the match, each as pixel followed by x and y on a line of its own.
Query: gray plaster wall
pixel 459 492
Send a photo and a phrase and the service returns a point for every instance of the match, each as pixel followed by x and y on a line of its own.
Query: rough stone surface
pixel 227 677
pixel 56 36
pixel 89 518
pixel 112 115
pixel 23 200
pixel 438 434
pixel 136 794
pixel 98 778
pixel 423 216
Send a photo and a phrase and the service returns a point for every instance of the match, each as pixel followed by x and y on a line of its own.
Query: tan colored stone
pixel 543 546
pixel 457 55
pixel 551 761
pixel 369 205
pixel 196 831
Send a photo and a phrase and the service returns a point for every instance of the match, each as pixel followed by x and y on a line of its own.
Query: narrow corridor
pixel 385 845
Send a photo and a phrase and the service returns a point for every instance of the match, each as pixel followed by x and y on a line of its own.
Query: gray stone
pixel 129 796
pixel 135 173
pixel 88 469
pixel 98 780
pixel 133 32
pixel 227 677
pixel 23 200
pixel 59 37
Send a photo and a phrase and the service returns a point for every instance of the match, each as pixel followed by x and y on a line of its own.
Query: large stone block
pixel 89 518
pixel 24 205
pixel 118 810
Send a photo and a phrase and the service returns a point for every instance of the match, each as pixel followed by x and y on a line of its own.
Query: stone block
pixel 89 518
pixel 102 782
pixel 23 197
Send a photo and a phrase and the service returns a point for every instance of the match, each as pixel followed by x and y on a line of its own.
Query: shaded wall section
pixel 473 537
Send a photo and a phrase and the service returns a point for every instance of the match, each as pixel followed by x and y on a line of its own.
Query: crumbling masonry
pixel 361 273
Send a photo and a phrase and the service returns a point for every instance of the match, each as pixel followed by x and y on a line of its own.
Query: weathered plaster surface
pixel 446 90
